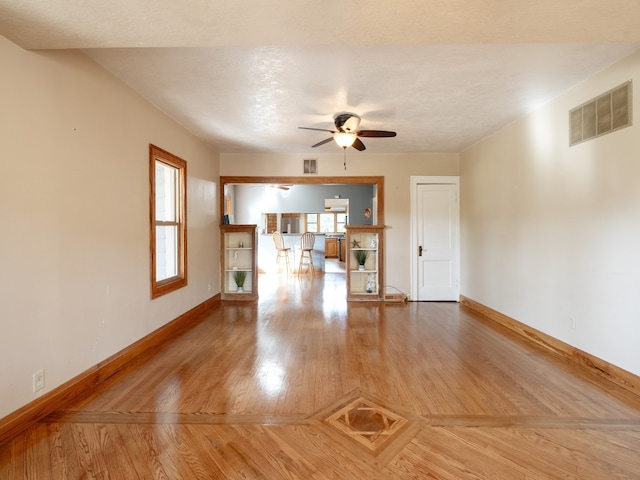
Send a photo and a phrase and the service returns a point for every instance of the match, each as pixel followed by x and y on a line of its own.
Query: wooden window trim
pixel 159 288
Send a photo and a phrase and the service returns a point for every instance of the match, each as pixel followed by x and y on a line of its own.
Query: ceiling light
pixel 344 139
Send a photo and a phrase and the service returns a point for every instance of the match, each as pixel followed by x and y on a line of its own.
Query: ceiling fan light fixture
pixel 344 139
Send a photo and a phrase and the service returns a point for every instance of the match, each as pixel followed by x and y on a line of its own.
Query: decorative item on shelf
pixel 373 243
pixel 240 244
pixel 235 260
pixel 361 258
pixel 355 244
pixel 239 277
pixel 371 283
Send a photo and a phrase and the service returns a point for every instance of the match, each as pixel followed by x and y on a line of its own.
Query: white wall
pixel 74 246
pixel 397 170
pixel 551 233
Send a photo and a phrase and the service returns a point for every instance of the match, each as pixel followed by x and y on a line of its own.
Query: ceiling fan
pixel 346 133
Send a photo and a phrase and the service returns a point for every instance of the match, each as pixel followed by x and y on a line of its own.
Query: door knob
pixel 420 251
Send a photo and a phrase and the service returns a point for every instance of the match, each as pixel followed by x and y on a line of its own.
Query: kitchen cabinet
pixel 330 247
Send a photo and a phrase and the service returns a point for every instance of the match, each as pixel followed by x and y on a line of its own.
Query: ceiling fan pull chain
pixel 344 149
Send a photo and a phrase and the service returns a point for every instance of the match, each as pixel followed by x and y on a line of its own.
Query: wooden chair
pixel 282 251
pixel 306 257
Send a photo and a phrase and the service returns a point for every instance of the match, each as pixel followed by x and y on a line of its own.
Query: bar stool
pixel 306 246
pixel 283 252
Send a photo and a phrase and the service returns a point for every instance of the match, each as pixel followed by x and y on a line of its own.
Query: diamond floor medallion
pixel 368 426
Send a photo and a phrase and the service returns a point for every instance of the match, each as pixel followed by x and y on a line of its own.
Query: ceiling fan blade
pixel 318 129
pixel 358 145
pixel 322 142
pixel 375 133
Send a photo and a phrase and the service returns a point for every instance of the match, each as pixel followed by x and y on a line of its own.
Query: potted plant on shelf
pixel 361 258
pixel 239 276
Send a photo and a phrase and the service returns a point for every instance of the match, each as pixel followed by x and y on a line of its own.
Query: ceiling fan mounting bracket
pixel 346 122
pixel 347 126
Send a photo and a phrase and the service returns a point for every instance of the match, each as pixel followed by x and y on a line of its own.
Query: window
pixel 326 222
pixel 168 180
pixel 312 222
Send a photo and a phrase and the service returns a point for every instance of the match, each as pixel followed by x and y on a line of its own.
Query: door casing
pixel 413 257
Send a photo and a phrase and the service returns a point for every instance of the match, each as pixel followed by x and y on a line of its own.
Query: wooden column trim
pixel 583 360
pixel 57 398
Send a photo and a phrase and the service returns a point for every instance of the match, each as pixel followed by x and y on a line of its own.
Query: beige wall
pixel 551 233
pixel 74 276
pixel 397 171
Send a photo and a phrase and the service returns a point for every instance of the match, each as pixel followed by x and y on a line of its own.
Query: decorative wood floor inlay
pixel 368 424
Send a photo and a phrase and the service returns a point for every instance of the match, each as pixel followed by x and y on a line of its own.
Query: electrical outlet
pixel 573 323
pixel 38 380
pixel 209 287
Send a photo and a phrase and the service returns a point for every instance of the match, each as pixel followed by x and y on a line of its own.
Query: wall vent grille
pixel 604 114
pixel 310 166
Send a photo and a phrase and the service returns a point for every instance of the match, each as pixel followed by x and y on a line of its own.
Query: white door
pixel 437 222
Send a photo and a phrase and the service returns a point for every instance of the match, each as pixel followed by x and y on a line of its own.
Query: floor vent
pixel 395 297
pixel 604 114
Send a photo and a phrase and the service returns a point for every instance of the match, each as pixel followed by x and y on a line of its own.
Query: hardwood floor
pixel 303 385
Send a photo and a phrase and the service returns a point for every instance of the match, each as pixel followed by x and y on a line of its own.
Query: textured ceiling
pixel 243 76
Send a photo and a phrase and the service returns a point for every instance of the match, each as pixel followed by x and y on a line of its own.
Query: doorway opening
pixel 332 266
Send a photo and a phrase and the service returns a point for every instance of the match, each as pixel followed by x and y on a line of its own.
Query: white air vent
pixel 310 166
pixel 607 113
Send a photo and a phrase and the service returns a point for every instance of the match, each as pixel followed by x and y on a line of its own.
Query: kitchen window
pixel 326 222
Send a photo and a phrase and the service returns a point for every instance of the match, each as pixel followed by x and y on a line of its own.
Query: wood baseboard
pixel 57 398
pixel 584 360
